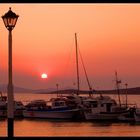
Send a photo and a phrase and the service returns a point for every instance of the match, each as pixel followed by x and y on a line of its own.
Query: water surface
pixel 53 127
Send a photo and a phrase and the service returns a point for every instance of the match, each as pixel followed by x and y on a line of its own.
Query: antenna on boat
pixel 117 86
pixel 77 66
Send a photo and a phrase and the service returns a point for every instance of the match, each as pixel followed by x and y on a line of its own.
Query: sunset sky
pixel 43 42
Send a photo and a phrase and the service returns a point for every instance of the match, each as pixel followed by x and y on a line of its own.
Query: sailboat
pixel 61 107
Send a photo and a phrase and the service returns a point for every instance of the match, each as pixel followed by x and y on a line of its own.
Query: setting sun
pixel 44 75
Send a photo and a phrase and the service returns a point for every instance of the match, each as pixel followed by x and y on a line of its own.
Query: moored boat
pixel 56 108
pixel 18 107
pixel 102 108
pixel 3 106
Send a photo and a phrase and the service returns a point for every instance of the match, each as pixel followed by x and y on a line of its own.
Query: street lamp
pixel 10 19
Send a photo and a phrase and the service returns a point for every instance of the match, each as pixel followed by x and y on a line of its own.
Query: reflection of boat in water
pixel 56 108
pixel 18 107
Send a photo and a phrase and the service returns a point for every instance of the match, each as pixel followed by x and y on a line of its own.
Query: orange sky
pixel 43 41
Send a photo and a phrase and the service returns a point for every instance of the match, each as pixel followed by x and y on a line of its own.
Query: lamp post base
pixel 10 127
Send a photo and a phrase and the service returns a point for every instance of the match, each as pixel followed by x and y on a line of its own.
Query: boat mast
pixel 117 85
pixel 0 93
pixel 89 85
pixel 126 93
pixel 77 66
pixel 57 89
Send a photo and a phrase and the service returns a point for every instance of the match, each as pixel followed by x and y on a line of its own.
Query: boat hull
pixel 102 115
pixel 90 116
pixel 137 117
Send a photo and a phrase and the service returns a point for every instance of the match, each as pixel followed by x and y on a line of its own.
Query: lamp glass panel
pixel 10 22
pixel 5 21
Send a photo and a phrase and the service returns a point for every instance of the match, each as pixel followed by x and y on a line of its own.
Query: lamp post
pixel 10 19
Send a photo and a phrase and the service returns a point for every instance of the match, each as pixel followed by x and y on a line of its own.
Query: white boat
pixel 56 108
pixel 102 108
pixel 137 114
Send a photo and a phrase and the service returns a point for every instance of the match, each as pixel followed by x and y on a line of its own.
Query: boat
pixel 102 108
pixel 18 107
pixel 62 107
pixel 3 105
pixel 55 108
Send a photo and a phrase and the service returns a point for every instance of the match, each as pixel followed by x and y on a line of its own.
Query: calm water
pixel 48 127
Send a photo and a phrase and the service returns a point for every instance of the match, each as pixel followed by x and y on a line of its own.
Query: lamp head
pixel 10 19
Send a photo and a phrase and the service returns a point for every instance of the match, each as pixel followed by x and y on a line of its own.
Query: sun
pixel 44 76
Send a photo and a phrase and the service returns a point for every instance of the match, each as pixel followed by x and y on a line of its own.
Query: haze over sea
pixel 51 127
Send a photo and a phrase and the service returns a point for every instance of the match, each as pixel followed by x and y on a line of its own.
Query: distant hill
pixel 3 88
pixel 135 90
pixel 44 90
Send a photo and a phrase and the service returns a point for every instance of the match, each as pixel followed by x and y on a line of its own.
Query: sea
pixel 24 127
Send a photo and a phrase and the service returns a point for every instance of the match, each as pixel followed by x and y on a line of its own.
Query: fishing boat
pixel 102 108
pixel 55 108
